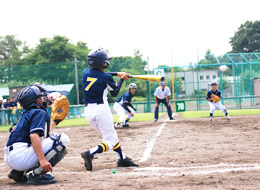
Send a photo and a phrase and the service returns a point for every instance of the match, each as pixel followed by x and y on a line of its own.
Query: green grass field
pixel 149 117
pixel 83 121
pixel 218 113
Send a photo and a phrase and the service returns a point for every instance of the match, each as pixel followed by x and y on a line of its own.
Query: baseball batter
pixel 121 106
pixel 96 84
pixel 30 147
pixel 214 96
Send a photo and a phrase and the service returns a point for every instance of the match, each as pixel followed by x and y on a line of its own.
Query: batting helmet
pixel 98 59
pixel 132 85
pixel 28 95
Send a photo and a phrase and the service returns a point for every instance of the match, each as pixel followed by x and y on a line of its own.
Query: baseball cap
pixel 12 96
pixel 162 83
pixel 213 83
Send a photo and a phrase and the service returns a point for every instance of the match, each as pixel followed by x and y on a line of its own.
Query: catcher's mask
pixel 98 59
pixel 28 95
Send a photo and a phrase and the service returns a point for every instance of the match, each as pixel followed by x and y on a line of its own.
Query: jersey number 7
pixel 92 80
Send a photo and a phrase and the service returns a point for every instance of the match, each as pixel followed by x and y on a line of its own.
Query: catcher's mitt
pixel 216 98
pixel 60 109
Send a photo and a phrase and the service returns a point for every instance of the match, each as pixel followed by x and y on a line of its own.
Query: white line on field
pixel 181 171
pixel 72 157
pixel 150 145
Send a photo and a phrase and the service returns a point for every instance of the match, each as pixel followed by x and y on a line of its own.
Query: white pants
pixel 22 157
pixel 121 112
pixel 100 118
pixel 217 105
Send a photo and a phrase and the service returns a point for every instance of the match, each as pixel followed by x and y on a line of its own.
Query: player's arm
pixel 156 101
pixel 116 88
pixel 37 147
pixel 209 97
pixel 168 99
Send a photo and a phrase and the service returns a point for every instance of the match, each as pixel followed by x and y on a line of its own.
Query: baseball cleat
pixel 126 126
pixel 210 119
pixel 172 118
pixel 127 162
pixel 155 120
pixel 229 119
pixel 41 179
pixel 87 159
pixel 17 176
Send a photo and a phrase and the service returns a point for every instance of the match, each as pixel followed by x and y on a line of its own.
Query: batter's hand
pixel 46 166
pixel 125 76
pixel 131 114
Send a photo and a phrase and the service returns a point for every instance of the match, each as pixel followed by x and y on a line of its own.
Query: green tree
pixel 12 50
pixel 246 38
pixel 57 49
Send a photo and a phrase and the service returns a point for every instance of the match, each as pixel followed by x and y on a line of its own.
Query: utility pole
pixel 76 78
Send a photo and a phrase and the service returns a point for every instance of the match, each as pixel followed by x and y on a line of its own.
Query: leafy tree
pixel 57 49
pixel 246 38
pixel 12 50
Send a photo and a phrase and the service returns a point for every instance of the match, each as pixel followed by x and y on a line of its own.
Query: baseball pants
pixel 164 101
pixel 22 158
pixel 217 105
pixel 100 118
pixel 121 112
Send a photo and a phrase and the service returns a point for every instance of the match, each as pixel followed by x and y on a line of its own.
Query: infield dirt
pixel 186 154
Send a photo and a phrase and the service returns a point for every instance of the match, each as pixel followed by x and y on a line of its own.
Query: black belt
pixel 11 147
pixel 86 104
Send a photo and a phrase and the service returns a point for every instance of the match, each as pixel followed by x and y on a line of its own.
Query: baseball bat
pixel 154 78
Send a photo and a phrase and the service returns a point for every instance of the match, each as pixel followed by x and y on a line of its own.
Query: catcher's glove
pixel 60 109
pixel 216 98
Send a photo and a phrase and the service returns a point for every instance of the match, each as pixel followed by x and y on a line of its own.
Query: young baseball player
pixel 161 93
pixel 121 106
pixel 30 147
pixel 214 96
pixel 96 84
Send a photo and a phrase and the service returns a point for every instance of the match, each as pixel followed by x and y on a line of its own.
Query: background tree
pixel 12 50
pixel 246 38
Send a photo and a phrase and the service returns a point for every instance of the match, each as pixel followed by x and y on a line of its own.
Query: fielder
pixel 214 96
pixel 96 84
pixel 161 93
pixel 121 106
pixel 30 147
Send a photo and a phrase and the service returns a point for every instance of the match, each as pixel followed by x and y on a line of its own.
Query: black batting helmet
pixel 28 95
pixel 98 59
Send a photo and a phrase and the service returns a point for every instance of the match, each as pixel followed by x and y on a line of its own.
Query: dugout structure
pixel 236 84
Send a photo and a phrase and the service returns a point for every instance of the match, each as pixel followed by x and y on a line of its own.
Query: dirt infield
pixel 185 154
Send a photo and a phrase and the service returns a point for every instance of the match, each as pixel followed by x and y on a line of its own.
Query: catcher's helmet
pixel 28 95
pixel 132 85
pixel 98 59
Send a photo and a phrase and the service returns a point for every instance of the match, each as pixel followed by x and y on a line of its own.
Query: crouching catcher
pixel 30 151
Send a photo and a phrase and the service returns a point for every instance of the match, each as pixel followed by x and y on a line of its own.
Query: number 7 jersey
pixel 96 84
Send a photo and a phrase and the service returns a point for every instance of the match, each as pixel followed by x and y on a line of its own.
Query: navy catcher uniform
pixel 30 146
pixel 96 85
pixel 121 106
pixel 215 104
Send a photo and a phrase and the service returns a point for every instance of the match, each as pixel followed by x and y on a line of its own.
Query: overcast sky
pixel 188 27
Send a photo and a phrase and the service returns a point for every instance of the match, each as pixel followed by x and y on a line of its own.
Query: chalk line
pixel 150 145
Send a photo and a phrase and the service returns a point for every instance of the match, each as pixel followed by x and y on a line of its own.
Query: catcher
pixel 30 146
pixel 214 97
